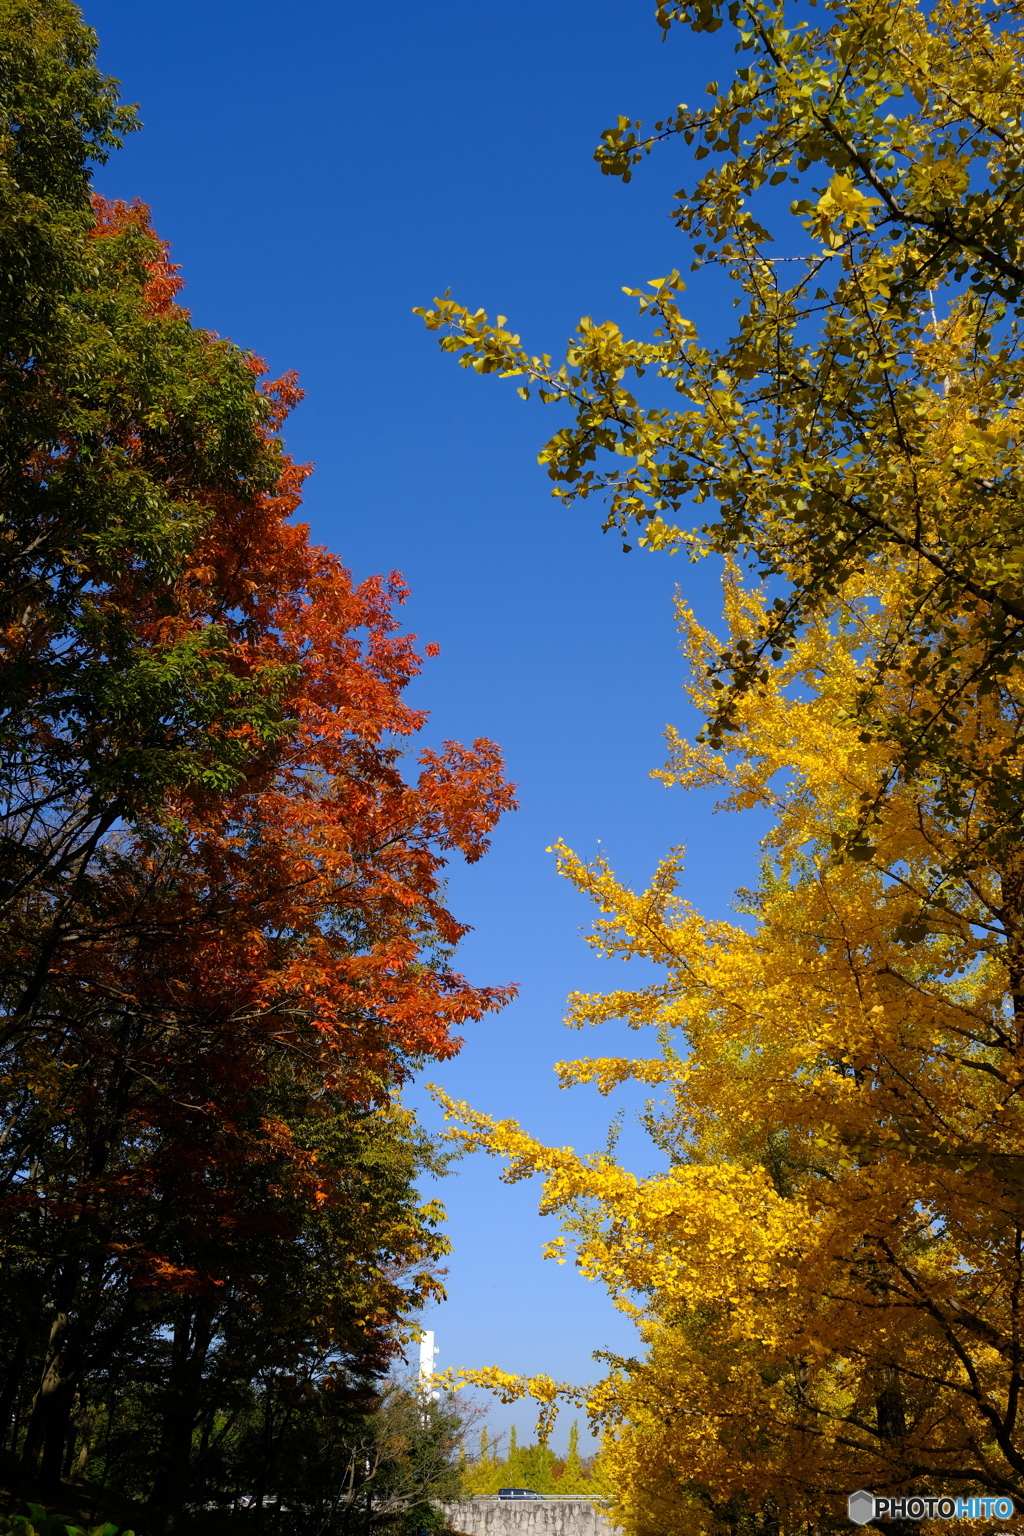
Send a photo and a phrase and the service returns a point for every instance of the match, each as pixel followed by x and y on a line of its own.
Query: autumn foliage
pixel 826 1263
pixel 826 1267
pixel 302 896
pixel 225 944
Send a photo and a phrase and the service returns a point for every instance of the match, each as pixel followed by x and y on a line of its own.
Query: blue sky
pixel 319 169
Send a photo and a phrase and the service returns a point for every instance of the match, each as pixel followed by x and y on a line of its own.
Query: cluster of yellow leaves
pixel 828 1266
pixel 867 405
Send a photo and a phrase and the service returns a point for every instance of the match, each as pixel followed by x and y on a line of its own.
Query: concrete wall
pixel 528 1517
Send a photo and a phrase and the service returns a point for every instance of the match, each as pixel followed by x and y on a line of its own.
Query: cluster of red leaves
pixel 163 284
pixel 294 919
pixel 326 840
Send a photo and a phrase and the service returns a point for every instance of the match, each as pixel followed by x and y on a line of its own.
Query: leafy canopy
pixel 826 1262
pixel 826 1266
pixel 223 938
pixel 863 189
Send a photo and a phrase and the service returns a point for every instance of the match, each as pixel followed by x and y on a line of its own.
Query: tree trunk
pixel 193 1332
pixel 43 1452
pixel 892 1426
pixel 892 1421
pixel 89 1422
pixel 12 1387
pixel 260 1491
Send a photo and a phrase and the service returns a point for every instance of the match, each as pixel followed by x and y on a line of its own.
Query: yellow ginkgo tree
pixel 861 179
pixel 828 1264
pixel 828 1267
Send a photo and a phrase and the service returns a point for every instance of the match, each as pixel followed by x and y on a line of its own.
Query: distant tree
pixel 533 1466
pixel 484 1473
pixel 576 1475
pixel 347 1460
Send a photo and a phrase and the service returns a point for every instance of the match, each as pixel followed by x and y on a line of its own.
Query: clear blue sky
pixel 320 168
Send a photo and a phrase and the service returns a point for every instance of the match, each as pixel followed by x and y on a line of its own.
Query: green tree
pixel 482 1474
pixel 574 1475
pixel 534 1466
pixel 529 1466
pixel 386 1469
pixel 136 452
pixel 139 460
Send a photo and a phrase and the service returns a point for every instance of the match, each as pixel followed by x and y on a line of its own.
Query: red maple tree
pixel 216 977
